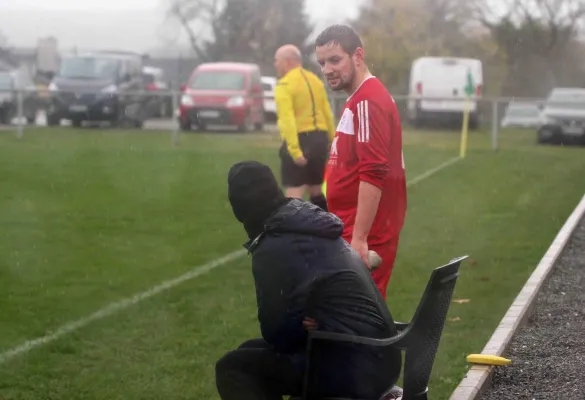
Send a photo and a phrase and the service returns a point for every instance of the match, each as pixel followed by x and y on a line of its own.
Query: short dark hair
pixel 343 35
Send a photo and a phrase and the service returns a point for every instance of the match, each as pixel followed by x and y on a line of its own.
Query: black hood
pixel 254 195
pixel 302 217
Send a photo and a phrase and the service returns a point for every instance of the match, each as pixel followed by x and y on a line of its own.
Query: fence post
pixel 495 126
pixel 175 135
pixel 19 112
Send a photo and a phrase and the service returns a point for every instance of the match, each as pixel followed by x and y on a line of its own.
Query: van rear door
pixel 446 79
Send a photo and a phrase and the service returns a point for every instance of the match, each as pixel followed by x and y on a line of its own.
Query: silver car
pixel 522 115
pixel 564 117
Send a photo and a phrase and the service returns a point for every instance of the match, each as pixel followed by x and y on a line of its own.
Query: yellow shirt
pixel 302 106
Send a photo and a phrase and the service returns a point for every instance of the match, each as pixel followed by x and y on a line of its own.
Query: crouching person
pixel 306 277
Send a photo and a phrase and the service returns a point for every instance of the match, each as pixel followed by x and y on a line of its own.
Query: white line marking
pixel 112 308
pixel 432 171
pixel 118 306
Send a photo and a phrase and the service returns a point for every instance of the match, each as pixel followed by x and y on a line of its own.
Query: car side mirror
pixel 183 87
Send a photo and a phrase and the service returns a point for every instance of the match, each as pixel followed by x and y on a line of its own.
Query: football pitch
pixel 90 218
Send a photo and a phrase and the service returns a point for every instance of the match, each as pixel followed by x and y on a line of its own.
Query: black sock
pixel 320 201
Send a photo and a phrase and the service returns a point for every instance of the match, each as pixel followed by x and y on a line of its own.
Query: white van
pixel 445 78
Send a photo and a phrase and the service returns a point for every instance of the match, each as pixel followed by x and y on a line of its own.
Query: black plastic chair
pixel 419 339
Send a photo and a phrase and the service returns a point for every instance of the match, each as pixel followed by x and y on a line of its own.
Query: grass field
pixel 90 217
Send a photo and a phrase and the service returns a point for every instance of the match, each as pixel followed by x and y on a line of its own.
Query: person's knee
pixel 315 190
pixel 223 364
pixel 295 192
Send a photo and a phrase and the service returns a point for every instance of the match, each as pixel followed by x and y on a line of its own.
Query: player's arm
pixel 286 119
pixel 373 142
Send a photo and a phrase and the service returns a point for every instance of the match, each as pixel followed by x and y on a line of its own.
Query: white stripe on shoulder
pixel 346 123
pixel 363 121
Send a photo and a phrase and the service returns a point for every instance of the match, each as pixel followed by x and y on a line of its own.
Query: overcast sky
pixel 122 24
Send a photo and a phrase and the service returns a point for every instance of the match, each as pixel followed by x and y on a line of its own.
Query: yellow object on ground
pixel 487 359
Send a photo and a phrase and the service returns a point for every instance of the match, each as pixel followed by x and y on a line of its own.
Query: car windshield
pixel 567 99
pixel 523 111
pixel 218 80
pixel 5 82
pixel 89 68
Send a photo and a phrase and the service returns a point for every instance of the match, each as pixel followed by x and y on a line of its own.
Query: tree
pixel 252 30
pixel 198 19
pixel 396 32
pixel 539 38
pixel 242 30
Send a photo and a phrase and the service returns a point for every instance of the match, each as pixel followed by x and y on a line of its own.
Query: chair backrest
pixel 421 339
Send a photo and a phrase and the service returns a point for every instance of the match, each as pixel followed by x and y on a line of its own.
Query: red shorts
pixel 381 275
pixel 387 251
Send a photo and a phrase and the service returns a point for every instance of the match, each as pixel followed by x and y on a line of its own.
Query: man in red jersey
pixel 366 184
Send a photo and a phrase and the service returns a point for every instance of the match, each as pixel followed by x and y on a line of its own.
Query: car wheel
pixel 248 125
pixel 53 120
pixel 185 125
pixel 5 118
pixel 545 135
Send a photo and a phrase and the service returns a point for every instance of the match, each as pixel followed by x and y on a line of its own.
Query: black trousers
pixel 255 372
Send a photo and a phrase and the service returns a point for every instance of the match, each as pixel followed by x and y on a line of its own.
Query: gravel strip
pixel 548 354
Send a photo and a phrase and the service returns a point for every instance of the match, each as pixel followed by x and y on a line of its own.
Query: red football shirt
pixel 368 147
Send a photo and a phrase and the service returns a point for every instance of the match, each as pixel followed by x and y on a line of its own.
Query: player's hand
pixel 301 161
pixel 310 324
pixel 361 247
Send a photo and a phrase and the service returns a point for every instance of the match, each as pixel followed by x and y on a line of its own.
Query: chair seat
pixel 392 390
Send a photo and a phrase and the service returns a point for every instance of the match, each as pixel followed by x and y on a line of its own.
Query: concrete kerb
pixel 478 378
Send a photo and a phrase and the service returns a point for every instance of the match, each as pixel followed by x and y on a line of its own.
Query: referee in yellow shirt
pixel 306 125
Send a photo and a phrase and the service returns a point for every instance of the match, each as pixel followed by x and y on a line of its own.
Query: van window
pixel 89 68
pixel 218 80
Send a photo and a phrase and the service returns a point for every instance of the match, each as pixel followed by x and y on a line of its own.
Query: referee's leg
pixel 315 169
pixel 291 175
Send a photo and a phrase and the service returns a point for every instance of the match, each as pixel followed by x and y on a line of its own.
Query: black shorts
pixel 315 148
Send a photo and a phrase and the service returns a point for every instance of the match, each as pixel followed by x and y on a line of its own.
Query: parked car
pixel 268 85
pixel 522 115
pixel 564 117
pixel 223 94
pixel 445 79
pixel 10 83
pixel 98 86
pixel 161 103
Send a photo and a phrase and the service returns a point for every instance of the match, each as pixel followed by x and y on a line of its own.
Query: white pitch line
pixel 112 308
pixel 432 171
pixel 118 306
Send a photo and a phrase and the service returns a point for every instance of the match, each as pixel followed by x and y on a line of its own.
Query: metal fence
pixel 158 110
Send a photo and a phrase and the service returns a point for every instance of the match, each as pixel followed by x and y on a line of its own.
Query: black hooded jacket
pixel 303 268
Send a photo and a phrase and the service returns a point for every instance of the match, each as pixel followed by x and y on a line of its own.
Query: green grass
pixel 89 217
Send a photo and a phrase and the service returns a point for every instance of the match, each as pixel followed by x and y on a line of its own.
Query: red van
pixel 223 94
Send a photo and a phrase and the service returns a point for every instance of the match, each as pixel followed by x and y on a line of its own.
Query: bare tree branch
pixel 195 17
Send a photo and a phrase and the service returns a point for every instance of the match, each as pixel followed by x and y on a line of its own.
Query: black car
pixel 10 83
pixel 98 86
